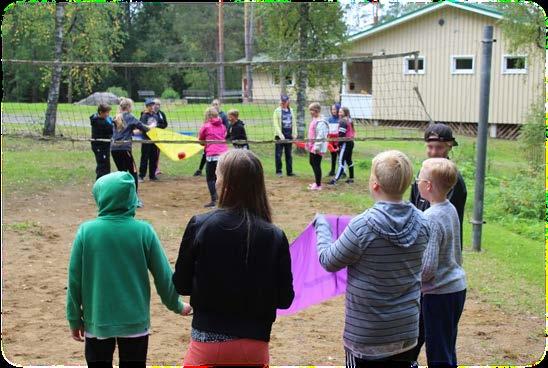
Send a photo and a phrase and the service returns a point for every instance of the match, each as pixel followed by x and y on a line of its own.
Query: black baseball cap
pixel 439 132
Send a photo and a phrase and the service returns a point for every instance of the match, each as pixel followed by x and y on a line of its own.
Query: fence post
pixel 485 81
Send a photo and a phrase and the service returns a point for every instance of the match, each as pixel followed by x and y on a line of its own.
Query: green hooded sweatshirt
pixel 108 283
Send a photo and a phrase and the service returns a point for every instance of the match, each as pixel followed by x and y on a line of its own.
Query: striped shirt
pixel 383 249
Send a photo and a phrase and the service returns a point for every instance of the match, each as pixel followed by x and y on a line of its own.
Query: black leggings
pixel 345 158
pixel 132 351
pixel 202 162
pixel 211 179
pixel 316 163
pixel 149 157
pixel 124 162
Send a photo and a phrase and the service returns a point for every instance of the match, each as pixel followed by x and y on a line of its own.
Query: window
pixel 276 79
pixel 409 65
pixel 514 64
pixel 462 64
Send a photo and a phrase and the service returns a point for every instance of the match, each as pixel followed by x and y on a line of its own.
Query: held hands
pixel 78 334
pixel 187 310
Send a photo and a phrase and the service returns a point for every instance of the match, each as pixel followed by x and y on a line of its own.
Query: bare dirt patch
pixel 39 230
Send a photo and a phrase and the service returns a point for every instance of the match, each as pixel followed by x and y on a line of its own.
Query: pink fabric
pixel 239 351
pixel 214 129
pixel 313 284
pixel 350 133
pixel 311 135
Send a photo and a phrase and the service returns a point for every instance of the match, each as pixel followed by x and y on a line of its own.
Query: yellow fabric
pixel 172 150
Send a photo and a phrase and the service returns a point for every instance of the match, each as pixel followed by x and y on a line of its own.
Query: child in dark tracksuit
pixel 120 146
pixel 149 152
pixel 101 128
pixel 346 130
pixel 236 130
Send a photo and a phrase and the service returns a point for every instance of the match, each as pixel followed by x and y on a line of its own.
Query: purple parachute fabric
pixel 313 284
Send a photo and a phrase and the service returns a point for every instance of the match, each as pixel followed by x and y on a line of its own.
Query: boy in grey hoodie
pixel 383 249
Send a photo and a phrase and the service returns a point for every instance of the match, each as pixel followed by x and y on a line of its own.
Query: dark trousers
pixel 438 327
pixel 285 147
pixel 316 163
pixel 202 162
pixel 101 150
pixel 132 351
pixel 333 163
pixel 401 360
pixel 124 162
pixel 149 157
pixel 345 158
pixel 211 179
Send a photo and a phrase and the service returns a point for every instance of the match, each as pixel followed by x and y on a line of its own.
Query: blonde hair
pixel 234 113
pixel 211 113
pixel 441 172
pixel 315 106
pixel 126 105
pixel 393 171
pixel 119 122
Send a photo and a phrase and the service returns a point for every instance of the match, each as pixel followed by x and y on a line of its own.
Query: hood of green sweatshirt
pixel 115 194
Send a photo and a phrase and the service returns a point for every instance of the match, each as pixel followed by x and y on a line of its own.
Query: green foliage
pixel 170 94
pixel 118 91
pixel 532 135
pixel 523 26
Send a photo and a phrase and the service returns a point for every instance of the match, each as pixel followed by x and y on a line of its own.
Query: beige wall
pixel 264 89
pixel 447 97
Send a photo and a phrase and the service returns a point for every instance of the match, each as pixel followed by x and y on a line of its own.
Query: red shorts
pixel 237 352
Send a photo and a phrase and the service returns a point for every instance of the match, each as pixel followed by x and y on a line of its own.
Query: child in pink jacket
pixel 213 129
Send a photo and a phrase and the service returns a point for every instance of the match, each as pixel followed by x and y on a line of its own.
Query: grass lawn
pixel 509 272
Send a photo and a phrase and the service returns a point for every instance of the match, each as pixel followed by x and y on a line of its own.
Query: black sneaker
pixel 332 182
pixel 154 179
pixel 211 204
pixel 198 173
pixel 292 174
pixel 349 181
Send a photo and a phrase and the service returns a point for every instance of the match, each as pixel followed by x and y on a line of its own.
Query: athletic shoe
pixel 211 204
pixel 279 175
pixel 141 180
pixel 333 182
pixel 349 181
pixel 154 179
pixel 198 173
pixel 292 174
pixel 315 187
pixel 158 172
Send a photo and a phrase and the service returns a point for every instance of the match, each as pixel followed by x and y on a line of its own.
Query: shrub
pixel 533 134
pixel 170 94
pixel 118 91
pixel 522 196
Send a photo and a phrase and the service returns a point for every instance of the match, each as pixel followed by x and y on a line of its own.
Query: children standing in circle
pixel 318 129
pixel 101 128
pixel 346 130
pixel 334 133
pixel 236 266
pixel 149 152
pixel 213 129
pixel 124 125
pixel 108 291
pixel 236 129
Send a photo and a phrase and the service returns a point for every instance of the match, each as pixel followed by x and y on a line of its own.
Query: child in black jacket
pixel 101 128
pixel 236 130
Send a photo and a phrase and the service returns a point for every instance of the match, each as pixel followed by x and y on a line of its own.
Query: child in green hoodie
pixel 108 294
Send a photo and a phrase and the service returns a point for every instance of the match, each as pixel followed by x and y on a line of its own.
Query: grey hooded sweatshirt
pixel 383 249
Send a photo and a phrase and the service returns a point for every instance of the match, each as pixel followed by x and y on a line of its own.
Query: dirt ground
pixel 37 236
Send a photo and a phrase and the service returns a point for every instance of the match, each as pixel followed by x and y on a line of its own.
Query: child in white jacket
pixel 318 129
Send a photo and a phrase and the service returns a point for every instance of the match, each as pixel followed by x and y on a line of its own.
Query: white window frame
pixel 513 71
pixel 407 71
pixel 273 83
pixel 454 69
